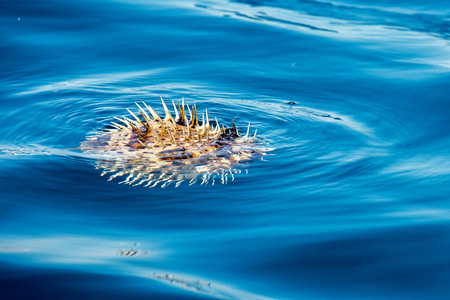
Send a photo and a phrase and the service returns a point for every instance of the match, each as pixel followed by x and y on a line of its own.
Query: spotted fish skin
pixel 145 149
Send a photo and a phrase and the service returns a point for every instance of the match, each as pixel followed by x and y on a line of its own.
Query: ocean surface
pixel 352 203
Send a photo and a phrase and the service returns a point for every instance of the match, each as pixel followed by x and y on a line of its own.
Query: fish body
pixel 145 149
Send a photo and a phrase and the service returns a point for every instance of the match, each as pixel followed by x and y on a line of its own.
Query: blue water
pixel 353 202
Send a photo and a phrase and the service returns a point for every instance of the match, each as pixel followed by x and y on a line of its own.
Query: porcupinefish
pixel 149 150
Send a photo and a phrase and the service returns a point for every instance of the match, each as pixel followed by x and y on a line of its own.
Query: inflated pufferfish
pixel 149 150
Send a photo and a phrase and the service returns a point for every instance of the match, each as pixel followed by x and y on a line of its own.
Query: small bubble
pixel 18 19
